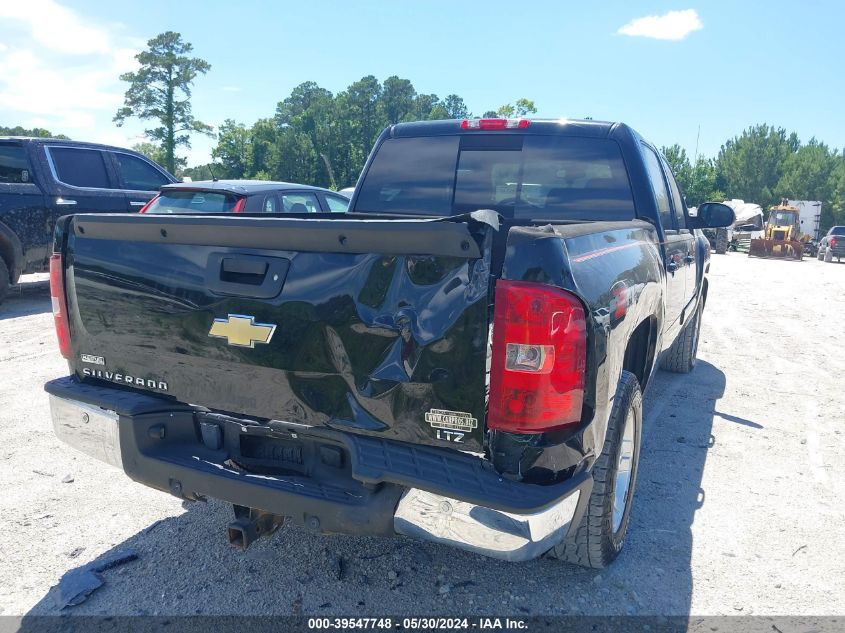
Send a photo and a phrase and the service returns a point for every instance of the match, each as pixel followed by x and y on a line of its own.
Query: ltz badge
pixel 451 426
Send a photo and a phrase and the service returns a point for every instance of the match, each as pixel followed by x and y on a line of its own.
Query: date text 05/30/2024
pixel 422 623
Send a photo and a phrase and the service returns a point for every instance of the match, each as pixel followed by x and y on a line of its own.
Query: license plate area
pixel 254 447
pixel 258 451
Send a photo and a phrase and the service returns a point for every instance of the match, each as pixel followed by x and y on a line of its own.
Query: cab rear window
pixel 188 202
pixel 14 167
pixel 530 177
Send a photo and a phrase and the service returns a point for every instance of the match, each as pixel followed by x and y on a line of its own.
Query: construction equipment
pixel 781 234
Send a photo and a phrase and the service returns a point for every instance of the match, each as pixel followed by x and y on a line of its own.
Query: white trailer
pixel 810 212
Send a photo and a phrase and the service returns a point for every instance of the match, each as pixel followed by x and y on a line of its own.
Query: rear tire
pixel 601 534
pixel 681 356
pixel 5 280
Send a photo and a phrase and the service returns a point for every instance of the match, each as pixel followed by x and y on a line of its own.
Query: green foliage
pixel 160 90
pixel 763 165
pixel 697 182
pixel 36 131
pixel 156 153
pixel 316 137
pixel 751 165
pixel 319 138
pixel 522 107
pixel 233 149
pixel 809 173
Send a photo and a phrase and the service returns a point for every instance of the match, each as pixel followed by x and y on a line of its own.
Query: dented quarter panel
pixel 588 259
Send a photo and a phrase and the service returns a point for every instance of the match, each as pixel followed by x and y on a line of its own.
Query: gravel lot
pixel 738 507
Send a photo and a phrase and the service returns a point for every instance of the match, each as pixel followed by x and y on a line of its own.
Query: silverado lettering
pixel 125 378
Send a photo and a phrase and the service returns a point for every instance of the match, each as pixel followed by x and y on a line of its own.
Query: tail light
pixel 239 206
pixel 147 206
pixel 494 124
pixel 57 297
pixel 832 242
pixel 539 356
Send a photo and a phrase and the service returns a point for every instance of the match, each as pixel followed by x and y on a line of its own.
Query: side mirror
pixel 713 215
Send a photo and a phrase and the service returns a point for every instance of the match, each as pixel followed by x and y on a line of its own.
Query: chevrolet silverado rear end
pixel 453 360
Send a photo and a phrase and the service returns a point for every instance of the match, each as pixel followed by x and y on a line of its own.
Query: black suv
pixel 42 179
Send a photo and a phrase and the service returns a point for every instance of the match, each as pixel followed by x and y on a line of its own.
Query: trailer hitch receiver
pixel 250 524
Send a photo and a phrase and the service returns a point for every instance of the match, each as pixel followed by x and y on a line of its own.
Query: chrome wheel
pixel 624 466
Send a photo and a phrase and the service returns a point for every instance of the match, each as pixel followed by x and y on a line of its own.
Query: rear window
pixel 530 177
pixel 14 167
pixel 193 202
pixel 837 230
pixel 80 167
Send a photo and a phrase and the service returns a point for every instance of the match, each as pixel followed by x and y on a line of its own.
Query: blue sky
pixel 727 64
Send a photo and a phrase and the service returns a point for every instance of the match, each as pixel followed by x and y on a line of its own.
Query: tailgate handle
pixel 251 276
pixel 247 267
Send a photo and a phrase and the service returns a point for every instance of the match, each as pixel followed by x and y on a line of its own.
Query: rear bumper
pixel 371 486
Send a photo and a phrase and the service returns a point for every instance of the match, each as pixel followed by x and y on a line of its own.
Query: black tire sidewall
pixel 695 338
pixel 632 399
pixel 5 280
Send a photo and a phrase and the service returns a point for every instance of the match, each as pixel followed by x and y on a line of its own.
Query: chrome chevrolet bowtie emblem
pixel 242 330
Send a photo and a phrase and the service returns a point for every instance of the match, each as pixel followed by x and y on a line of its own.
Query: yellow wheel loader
pixel 781 234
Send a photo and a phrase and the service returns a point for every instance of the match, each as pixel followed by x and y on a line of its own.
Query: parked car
pixel 460 358
pixel 811 248
pixel 244 196
pixel 43 178
pixel 832 245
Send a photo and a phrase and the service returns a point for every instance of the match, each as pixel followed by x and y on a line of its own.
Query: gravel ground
pixel 738 507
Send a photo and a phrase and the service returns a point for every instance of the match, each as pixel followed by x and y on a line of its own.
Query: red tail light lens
pixel 149 204
pixel 833 241
pixel 494 124
pixel 539 358
pixel 239 206
pixel 57 297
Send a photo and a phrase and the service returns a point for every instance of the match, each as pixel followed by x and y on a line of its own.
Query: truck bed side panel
pixel 614 267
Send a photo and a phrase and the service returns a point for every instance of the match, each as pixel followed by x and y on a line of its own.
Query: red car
pixel 244 196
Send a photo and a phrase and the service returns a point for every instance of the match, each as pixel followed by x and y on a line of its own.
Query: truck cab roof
pixel 563 127
pixel 42 140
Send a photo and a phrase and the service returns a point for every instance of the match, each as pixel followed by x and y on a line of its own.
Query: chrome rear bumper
pixel 89 429
pixel 493 533
pixel 419 513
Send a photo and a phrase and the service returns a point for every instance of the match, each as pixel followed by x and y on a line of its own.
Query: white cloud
pixel 56 27
pixel 60 70
pixel 674 25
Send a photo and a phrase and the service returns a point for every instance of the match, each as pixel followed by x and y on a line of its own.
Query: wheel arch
pixel 11 251
pixel 640 351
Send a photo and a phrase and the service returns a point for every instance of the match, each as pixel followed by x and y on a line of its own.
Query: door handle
pixel 672 266
pixel 63 202
pixel 136 203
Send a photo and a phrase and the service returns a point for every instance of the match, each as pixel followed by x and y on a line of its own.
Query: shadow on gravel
pixel 25 304
pixel 186 567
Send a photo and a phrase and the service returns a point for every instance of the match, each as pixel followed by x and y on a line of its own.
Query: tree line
pixel 763 165
pixel 323 139
pixel 320 138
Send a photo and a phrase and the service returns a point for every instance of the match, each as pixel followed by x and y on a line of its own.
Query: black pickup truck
pixel 459 358
pixel 42 179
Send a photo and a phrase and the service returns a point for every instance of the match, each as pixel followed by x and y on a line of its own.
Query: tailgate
pixel 373 326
